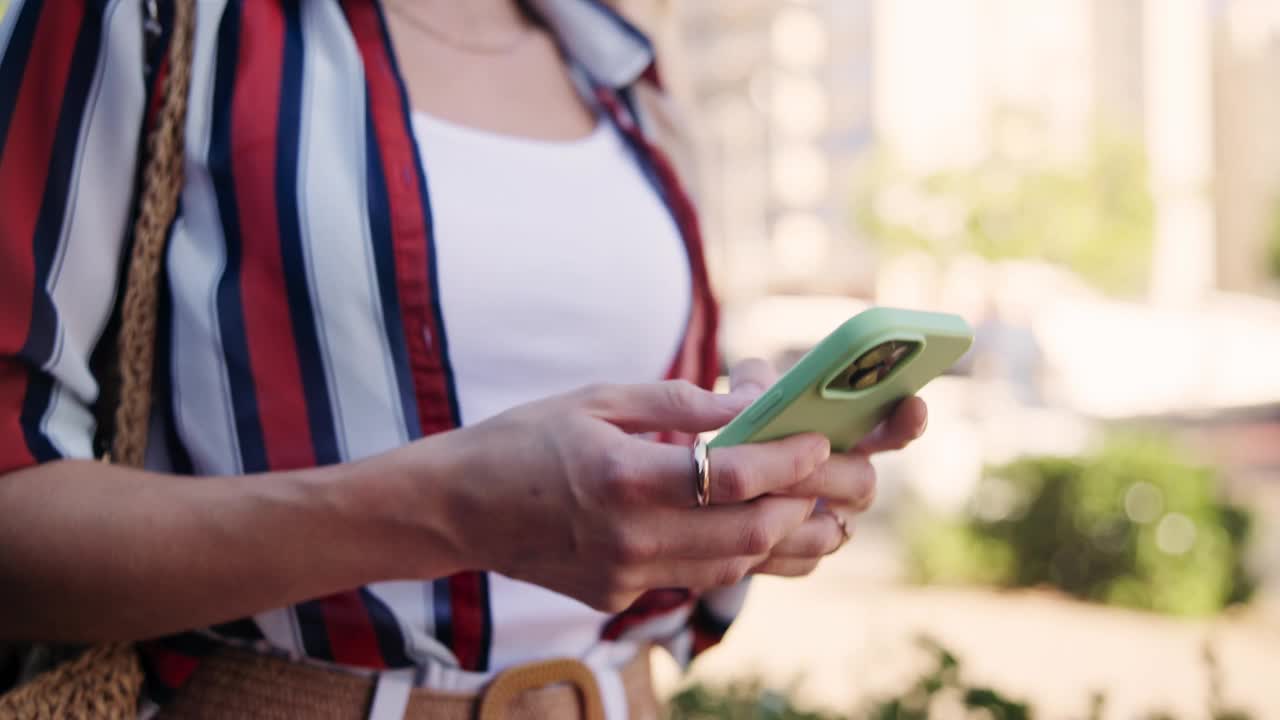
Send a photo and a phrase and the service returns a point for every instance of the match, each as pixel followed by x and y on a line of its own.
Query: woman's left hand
pixel 846 483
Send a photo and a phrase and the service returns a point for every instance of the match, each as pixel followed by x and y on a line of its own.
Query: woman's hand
pixel 567 494
pixel 846 482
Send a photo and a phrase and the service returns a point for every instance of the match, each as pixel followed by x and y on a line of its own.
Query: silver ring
pixel 701 473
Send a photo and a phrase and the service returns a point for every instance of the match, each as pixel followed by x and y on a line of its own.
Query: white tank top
pixel 559 266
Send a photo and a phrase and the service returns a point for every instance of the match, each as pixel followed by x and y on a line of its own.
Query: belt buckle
pixel 508 685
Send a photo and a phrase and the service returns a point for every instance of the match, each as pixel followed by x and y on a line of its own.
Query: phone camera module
pixel 873 366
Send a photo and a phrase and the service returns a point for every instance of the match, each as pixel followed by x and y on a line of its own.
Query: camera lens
pixel 873 366
pixel 874 356
pixel 864 378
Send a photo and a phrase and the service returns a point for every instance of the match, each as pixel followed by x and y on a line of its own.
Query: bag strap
pixel 158 204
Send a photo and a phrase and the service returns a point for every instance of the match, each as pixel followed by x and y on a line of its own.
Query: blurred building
pixel 1246 70
pixel 782 91
pixel 789 95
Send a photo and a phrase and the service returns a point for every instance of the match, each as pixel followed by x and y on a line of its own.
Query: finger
pixel 701 575
pixel 818 536
pixel 907 423
pixel 665 474
pixel 787 567
pixel 746 472
pixel 845 478
pixel 849 508
pixel 742 530
pixel 656 407
pixel 751 377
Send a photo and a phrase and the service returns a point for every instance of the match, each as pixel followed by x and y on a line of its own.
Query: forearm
pixel 92 552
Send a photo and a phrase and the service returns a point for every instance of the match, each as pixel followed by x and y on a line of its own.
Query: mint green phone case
pixel 814 396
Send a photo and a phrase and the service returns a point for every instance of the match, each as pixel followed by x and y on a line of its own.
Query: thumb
pixel 671 405
pixel 751 378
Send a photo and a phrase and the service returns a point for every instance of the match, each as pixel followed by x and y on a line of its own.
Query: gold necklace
pixel 423 26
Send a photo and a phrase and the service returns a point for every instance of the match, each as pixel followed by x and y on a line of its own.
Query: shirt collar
pixel 608 47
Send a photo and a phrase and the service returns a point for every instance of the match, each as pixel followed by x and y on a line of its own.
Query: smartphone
pixel 854 378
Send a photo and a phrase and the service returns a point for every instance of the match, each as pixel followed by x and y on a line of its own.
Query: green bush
pixel 1096 218
pixel 1136 525
pixel 747 700
pixel 939 685
pixel 940 691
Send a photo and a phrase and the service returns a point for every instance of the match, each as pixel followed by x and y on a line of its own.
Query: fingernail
pixel 824 450
pixel 733 401
pixel 820 453
pixel 748 389
pixel 863 501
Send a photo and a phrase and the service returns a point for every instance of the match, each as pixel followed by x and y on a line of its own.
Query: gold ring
pixel 701 473
pixel 843 525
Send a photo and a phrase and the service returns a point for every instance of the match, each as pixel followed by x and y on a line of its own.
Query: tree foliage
pixel 1135 525
pixel 1096 218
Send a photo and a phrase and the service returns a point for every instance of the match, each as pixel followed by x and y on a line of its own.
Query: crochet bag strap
pixel 105 681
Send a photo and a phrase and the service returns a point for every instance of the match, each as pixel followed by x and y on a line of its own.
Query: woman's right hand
pixel 569 494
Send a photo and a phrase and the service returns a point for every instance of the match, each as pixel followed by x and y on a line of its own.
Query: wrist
pixel 401 501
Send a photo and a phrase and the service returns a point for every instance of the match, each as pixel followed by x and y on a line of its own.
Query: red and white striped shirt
pixel 301 316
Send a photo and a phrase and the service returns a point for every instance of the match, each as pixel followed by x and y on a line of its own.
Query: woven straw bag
pixel 105 681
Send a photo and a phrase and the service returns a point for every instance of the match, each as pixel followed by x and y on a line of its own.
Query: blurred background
pixel 1091 527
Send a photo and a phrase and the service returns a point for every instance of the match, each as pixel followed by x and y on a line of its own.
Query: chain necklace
pixel 497 48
